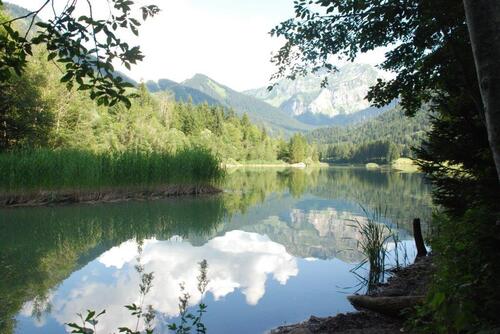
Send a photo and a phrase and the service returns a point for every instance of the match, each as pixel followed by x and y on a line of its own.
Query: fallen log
pixel 391 306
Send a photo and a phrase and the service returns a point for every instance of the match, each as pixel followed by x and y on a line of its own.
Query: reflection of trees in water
pixel 405 195
pixel 323 232
pixel 41 247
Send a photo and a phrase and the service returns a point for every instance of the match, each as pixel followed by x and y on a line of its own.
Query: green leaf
pixel 438 299
pixel 90 315
pixel 135 22
pixel 67 77
pixel 51 56
pixel 43 25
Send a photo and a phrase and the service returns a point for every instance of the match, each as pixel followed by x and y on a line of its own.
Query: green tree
pixel 393 153
pixel 297 148
pixel 25 120
pixel 65 36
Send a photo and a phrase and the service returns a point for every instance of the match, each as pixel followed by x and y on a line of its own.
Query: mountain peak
pixel 307 101
pixel 200 76
pixel 202 88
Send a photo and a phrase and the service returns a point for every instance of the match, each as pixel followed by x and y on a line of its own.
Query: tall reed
pixel 66 169
pixel 374 235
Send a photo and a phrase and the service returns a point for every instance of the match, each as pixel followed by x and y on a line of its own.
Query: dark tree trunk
pixel 419 240
pixel 483 21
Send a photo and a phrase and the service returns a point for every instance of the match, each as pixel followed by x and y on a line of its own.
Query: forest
pixel 39 113
pixel 381 140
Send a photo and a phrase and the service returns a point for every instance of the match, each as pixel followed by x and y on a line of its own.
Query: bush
pixel 464 294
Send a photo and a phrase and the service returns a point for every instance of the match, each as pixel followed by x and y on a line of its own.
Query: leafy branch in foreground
pixel 66 38
pixel 147 314
pixel 90 320
pixel 189 320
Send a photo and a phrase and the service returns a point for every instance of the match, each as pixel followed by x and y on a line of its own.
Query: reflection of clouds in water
pixel 236 260
pixel 118 256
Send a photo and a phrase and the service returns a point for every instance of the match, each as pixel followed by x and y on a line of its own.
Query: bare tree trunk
pixel 483 21
pixel 419 240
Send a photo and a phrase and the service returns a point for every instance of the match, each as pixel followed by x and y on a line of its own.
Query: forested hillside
pixel 39 112
pixel 180 92
pixel 391 131
pixel 201 88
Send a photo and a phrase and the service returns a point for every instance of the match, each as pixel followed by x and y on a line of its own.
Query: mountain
pixel 202 89
pixel 258 111
pixel 181 92
pixel 342 102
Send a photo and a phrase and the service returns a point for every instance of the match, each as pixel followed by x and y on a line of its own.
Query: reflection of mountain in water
pixel 404 196
pixel 305 211
pixel 306 241
pixel 322 234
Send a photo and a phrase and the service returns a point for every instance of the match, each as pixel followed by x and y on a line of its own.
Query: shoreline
pixel 407 287
pixel 106 195
pixel 299 165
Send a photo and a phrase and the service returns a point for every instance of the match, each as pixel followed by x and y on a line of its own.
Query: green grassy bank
pixel 56 170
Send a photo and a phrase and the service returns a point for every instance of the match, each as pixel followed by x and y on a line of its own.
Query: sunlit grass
pixel 66 169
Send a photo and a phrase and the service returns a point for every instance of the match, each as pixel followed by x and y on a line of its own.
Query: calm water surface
pixel 280 245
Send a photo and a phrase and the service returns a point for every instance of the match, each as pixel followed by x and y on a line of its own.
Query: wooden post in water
pixel 419 240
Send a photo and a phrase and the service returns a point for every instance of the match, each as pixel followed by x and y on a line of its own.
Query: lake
pixel 280 247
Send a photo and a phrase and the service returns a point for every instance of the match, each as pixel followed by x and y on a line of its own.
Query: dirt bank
pixel 409 282
pixel 61 197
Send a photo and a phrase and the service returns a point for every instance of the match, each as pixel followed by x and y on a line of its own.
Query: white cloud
pixel 237 260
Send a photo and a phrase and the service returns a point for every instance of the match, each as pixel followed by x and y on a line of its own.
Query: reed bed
pixel 49 170
pixel 375 233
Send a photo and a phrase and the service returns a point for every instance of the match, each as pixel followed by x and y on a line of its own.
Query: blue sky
pixel 227 40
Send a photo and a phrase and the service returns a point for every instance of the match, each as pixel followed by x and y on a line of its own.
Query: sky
pixel 228 40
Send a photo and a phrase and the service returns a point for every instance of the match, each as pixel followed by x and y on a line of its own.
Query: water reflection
pixel 238 260
pixel 265 240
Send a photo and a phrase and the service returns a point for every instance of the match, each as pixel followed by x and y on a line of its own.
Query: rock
pixel 298 165
pixel 300 330
pixel 314 319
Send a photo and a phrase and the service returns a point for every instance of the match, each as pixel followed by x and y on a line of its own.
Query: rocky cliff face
pixel 344 95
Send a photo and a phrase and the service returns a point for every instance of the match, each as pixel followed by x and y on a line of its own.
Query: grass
pixel 73 169
pixel 375 234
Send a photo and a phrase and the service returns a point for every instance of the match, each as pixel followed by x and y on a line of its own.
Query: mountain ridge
pixel 336 104
pixel 202 88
